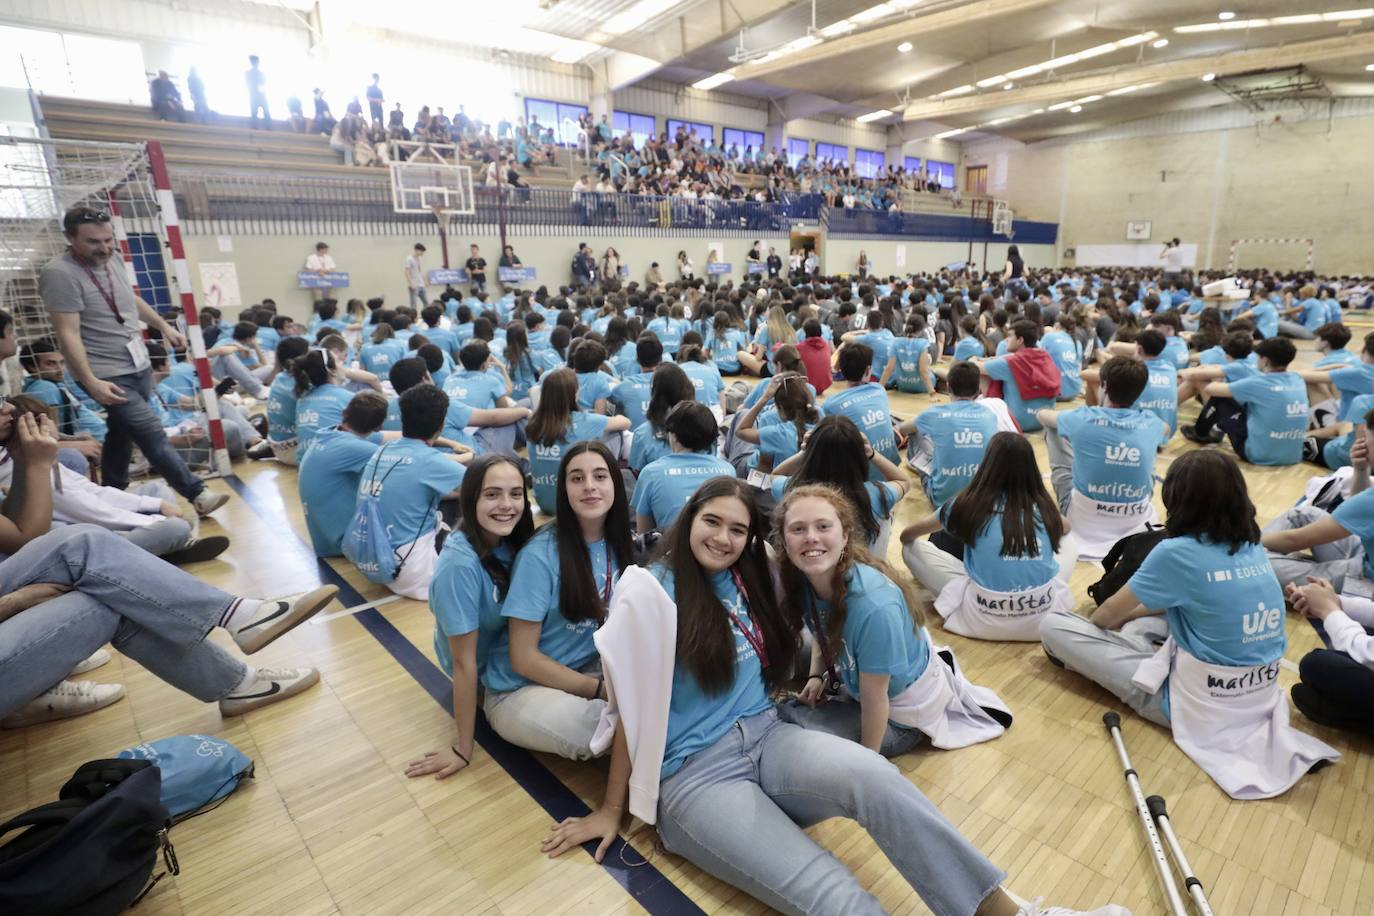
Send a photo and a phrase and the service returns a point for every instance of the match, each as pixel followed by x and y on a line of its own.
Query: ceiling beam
pixel 1100 82
pixel 902 30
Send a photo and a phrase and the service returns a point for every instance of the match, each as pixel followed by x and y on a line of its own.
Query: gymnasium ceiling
pixel 850 65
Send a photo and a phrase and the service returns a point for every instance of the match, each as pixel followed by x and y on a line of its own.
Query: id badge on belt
pixel 139 351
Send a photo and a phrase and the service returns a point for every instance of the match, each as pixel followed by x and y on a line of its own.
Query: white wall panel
pixel 669 100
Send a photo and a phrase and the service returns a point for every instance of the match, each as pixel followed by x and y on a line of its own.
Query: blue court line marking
pixel 645 883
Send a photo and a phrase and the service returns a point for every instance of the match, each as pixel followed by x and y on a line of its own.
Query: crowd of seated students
pixel 640 618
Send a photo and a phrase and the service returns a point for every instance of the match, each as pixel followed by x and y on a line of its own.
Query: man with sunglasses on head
pixel 96 316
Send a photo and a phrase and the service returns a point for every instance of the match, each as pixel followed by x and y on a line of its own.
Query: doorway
pixel 808 240
pixel 976 180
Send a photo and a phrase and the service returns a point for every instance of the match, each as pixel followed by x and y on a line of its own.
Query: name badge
pixel 760 480
pixel 138 350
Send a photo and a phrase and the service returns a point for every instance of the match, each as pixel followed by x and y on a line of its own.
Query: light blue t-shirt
pixel 879 636
pixel 881 341
pixel 533 596
pixel 1266 318
pixel 985 565
pixel 319 408
pixel 281 408
pixel 968 347
pixel 1024 411
pixel 647 447
pixel 1176 349
pixel 444 339
pixel 908 351
pixel 409 478
pixel 1275 416
pixel 866 405
pixel 778 441
pixel 1356 515
pixel 478 390
pixel 959 433
pixel 707 382
pixel 463 599
pixel 631 395
pixel 593 387
pixel 1313 313
pixel 666 483
pixel 1113 451
pixel 378 358
pixel 1160 396
pixel 1334 358
pixel 1223 608
pixel 328 483
pixel 1068 356
pixel 1336 452
pixel 544 459
pixel 725 351
pixel 669 332
pixel 697 720
pixel 1353 381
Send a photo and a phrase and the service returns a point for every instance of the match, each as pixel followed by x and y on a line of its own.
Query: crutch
pixel 1161 817
pixel 1113 722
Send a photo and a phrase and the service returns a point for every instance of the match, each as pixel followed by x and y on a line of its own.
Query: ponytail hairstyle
pixel 787 358
pixel 705 639
pixel 1007 481
pixel 313 369
pixel 382 331
pixel 794 403
pixel 578 598
pixel 797 600
pixel 692 353
pixel 290 349
pixel 557 401
pixel 468 495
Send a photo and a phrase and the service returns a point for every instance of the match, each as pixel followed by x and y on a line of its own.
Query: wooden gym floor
pixel 330 824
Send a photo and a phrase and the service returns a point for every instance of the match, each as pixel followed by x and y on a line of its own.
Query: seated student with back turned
pixel 872 679
pixel 329 476
pixel 665 483
pixel 795 415
pixel 948 440
pixel 410 477
pixel 1018 554
pixel 544 686
pixel 1209 669
pixel 1102 460
pixel 68 592
pixel 1160 396
pixel 694 645
pixel 862 401
pixel 471 580
pixel 1026 378
pixel 631 394
pixel 670 386
pixel 1232 361
pixel 1264 416
pixel 484 385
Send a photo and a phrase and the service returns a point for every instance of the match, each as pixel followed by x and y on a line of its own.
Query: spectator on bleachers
pixel 257 92
pixel 295 116
pixel 166 98
pixel 196 87
pixel 375 100
pixel 324 118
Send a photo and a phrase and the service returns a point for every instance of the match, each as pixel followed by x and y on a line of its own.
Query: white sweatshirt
pixel 84 502
pixel 1346 632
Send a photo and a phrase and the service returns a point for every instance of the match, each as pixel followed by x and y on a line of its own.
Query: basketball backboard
pixel 420 187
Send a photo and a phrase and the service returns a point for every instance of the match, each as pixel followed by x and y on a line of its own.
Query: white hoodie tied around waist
pixel 1233 722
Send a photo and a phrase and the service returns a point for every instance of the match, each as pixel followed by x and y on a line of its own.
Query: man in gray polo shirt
pixel 96 314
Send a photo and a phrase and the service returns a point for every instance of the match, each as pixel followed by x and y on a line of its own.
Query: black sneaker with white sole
pixel 198 550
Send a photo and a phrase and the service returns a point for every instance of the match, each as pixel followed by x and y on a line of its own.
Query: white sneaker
pixel 67 699
pixel 98 658
pixel 1036 907
pixel 208 501
pixel 270 685
pixel 277 616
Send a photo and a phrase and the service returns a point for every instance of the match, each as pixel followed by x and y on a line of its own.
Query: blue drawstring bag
pixel 197 770
pixel 365 541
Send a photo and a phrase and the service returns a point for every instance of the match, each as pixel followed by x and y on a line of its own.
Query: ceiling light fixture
pixel 957 90
pixel 1161 43
pixel 874 116
pixel 1008 85
pixel 1226 16
pixel 881 11
pixel 836 29
pixel 904 47
pixel 1052 64
pixel 951 133
pixel 1342 18
pixel 711 82
pixel 1369 68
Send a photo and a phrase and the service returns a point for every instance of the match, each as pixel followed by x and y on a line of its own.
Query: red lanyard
pixel 818 632
pixel 752 633
pixel 606 587
pixel 109 296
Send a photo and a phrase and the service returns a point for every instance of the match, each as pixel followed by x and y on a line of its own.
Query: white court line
pixel 350 611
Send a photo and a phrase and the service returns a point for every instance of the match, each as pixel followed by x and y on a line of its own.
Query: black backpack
pixel 1123 560
pixel 93 851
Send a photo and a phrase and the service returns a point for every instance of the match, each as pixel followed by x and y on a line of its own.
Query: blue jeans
pixel 151 611
pixel 134 423
pixel 736 810
pixel 844 719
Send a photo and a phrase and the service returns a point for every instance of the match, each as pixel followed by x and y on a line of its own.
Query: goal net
pixel 40 179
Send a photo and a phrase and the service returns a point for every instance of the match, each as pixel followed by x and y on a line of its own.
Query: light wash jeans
pixel 1108 658
pixel 738 808
pixel 1333 561
pixel 499 439
pixel 134 423
pixel 541 718
pixel 165 534
pixel 151 611
pixel 844 719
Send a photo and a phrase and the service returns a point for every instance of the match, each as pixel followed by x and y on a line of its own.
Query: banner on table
pixel 755 267
pixel 719 268
pixel 334 279
pixel 443 276
pixel 515 274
